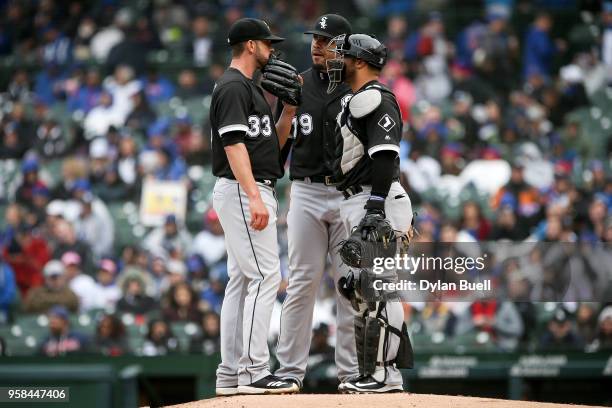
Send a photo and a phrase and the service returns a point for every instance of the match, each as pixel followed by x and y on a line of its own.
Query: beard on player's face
pixel 262 54
pixel 348 72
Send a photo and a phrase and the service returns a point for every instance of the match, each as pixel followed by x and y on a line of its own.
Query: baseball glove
pixel 282 80
pixel 372 238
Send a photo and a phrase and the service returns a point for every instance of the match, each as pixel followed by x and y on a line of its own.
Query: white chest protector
pixel 359 105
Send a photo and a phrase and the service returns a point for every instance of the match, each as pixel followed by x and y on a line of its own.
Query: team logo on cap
pixel 323 22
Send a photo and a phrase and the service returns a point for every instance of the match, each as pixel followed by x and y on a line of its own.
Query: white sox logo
pixel 386 122
pixel 323 22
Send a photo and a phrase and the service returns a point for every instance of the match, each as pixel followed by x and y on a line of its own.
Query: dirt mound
pixel 404 400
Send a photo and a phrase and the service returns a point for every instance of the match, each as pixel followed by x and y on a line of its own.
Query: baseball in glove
pixel 282 80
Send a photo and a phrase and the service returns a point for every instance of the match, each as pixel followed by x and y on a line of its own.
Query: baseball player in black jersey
pixel 246 147
pixel 368 165
pixel 314 225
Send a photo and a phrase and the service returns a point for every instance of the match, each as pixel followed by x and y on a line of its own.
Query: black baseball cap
pixel 250 29
pixel 330 26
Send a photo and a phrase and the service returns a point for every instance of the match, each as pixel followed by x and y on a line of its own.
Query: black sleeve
pixel 231 107
pixel 382 172
pixel 233 137
pixel 384 127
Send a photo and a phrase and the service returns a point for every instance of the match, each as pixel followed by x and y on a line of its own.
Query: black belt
pixel 267 182
pixel 327 180
pixel 356 189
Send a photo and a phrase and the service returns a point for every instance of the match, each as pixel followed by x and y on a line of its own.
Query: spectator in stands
pixel 62 340
pixel 82 285
pixel 209 244
pixel 31 180
pixel 177 272
pixel 106 38
pixel 586 321
pixel 523 198
pixel 197 273
pixel 19 89
pixel 35 216
pixel 187 85
pixel 127 162
pixel 160 340
pixel 401 86
pixel 430 48
pixel 559 333
pixel 122 85
pixel 508 326
pixel 156 87
pixel 50 141
pixel 102 116
pixel 66 240
pixel 171 167
pixel 159 274
pixel 24 125
pixel 603 340
pixel 110 337
pixel 112 188
pixel 182 304
pixel 539 48
pixel 201 44
pixel 93 228
pixel 8 292
pixel 189 140
pixel 73 169
pixel 108 293
pixel 320 350
pixel 142 115
pixel 27 254
pixel 55 291
pixel 87 95
pixel 48 84
pixel 12 146
pixel 170 239
pixel 437 317
pixel 57 49
pixel 134 299
pixel 208 342
pixel 129 52
pixel 473 222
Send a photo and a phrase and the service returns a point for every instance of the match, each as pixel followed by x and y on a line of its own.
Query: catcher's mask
pixel 335 66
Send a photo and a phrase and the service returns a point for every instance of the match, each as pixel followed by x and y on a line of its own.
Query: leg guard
pixel 372 341
pixel 367 338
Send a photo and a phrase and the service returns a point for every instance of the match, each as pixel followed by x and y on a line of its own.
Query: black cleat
pixel 368 385
pixel 269 385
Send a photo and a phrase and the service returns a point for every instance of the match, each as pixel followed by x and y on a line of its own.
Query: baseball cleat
pixel 342 385
pixel 294 381
pixel 226 391
pixel 367 384
pixel 270 384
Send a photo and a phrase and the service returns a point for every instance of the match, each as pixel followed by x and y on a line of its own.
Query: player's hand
pixel 259 214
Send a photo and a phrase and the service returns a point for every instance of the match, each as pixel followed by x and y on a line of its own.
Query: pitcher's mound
pixel 404 400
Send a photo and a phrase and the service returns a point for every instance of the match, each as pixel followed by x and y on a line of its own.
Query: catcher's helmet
pixel 367 48
pixel 360 46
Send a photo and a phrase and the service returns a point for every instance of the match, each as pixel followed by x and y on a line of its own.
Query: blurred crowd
pixel 507 109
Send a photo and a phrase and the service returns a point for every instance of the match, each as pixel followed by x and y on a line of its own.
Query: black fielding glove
pixel 282 80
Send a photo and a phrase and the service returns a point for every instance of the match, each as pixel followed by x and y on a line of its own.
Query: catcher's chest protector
pixel 352 123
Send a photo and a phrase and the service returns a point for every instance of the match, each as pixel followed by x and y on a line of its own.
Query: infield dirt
pixel 403 400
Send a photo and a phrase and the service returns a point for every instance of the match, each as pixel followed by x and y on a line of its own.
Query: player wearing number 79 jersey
pixel 314 225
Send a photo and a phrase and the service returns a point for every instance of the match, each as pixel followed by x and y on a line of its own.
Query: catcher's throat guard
pixel 335 66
